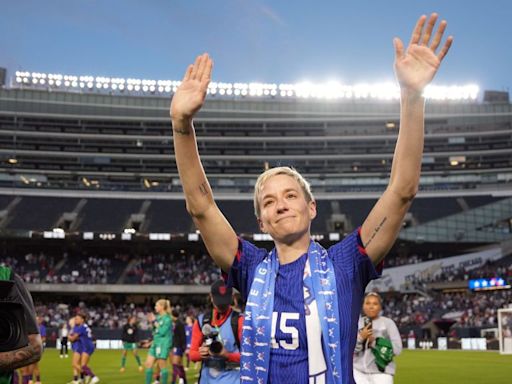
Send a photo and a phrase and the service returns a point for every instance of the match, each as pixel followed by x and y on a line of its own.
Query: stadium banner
pixel 473 344
pixel 405 276
pixel 442 343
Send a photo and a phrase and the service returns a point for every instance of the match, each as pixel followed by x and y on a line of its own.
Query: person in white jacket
pixel 371 327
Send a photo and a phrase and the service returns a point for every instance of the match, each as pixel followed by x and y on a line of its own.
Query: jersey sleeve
pixel 350 256
pixel 196 341
pixel 394 336
pixel 241 273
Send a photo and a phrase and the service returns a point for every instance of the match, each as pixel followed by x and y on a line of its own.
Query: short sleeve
pixel 350 256
pixel 28 306
pixel 241 273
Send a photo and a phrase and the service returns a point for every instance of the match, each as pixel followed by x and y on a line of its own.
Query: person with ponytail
pixel 162 341
pixel 82 333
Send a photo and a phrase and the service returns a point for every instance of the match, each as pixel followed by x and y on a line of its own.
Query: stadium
pixel 92 214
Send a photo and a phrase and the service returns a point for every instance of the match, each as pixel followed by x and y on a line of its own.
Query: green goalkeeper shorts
pixel 129 346
pixel 160 350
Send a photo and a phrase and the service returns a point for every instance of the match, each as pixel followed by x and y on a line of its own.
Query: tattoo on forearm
pixel 375 231
pixel 12 360
pixel 203 188
pixel 182 131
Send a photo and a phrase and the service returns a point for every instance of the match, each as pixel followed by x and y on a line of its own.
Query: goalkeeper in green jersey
pixel 162 341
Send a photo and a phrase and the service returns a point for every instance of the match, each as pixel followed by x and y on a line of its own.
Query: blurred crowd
pixel 107 315
pixel 115 269
pixel 469 309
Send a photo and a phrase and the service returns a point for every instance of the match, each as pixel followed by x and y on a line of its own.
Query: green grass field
pixel 418 367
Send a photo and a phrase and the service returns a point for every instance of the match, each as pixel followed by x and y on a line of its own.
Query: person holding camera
pixel 378 341
pixel 20 341
pixel 216 339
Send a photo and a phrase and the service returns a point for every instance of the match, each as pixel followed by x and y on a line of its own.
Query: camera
pixel 13 333
pixel 366 321
pixel 211 339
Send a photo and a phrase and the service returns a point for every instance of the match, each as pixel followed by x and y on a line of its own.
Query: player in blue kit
pixel 189 323
pixel 76 348
pixel 82 333
pixel 303 301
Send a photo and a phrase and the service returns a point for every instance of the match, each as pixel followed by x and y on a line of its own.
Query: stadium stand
pixel 87 177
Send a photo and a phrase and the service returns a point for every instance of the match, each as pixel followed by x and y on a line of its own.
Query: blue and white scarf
pixel 322 318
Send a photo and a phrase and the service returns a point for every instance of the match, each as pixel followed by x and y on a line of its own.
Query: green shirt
pixel 163 328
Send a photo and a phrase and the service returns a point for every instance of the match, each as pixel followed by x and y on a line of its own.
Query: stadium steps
pixel 129 266
pixel 480 224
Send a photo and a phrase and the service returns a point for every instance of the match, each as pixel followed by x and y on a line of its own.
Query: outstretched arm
pixel 415 69
pixel 218 235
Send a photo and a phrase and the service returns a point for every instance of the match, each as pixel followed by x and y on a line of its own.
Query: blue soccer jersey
pixel 76 345
pixel 289 352
pixel 85 336
pixel 188 335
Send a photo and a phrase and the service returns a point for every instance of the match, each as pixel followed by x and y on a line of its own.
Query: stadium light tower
pixel 332 90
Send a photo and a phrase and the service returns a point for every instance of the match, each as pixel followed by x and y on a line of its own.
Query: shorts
pixel 177 351
pixel 160 350
pixel 129 346
pixel 77 348
pixel 89 349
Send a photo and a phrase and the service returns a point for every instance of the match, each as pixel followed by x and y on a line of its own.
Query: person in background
pixel 222 324
pixel 162 341
pixel 129 338
pixel 179 347
pixel 189 323
pixel 82 332
pixel 76 348
pixel 63 336
pixel 378 341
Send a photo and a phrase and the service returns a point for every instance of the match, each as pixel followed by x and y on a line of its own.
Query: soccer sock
pixel 26 378
pixel 38 378
pixel 164 375
pixel 123 361
pixel 138 360
pixel 174 373
pixel 75 377
pixel 149 375
pixel 87 371
pixel 181 372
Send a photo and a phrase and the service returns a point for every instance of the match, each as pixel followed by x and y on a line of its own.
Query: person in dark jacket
pixel 179 348
pixel 130 338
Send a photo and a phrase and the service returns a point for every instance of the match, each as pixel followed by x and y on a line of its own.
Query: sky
pixel 262 41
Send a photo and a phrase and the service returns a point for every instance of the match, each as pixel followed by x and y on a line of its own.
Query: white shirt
pixel 364 360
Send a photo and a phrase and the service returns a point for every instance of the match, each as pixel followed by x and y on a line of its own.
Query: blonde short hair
pixel 304 185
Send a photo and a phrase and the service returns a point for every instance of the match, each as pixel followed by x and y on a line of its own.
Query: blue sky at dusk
pixel 249 40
